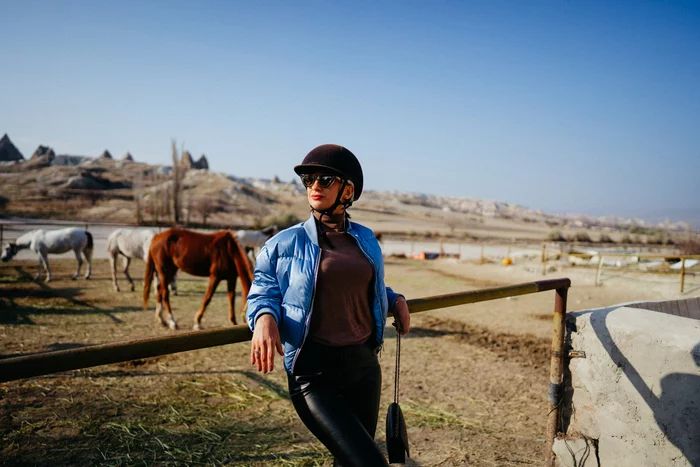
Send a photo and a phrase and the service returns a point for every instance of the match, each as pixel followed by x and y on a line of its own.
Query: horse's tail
pixel 90 243
pixel 148 279
pixel 244 267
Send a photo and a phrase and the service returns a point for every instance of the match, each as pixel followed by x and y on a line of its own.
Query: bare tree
pixel 205 207
pixel 178 174
pixel 188 208
pixel 137 189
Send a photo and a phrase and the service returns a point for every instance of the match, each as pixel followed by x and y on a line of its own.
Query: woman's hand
pixel 266 339
pixel 401 316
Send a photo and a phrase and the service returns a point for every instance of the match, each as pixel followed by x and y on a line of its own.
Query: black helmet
pixel 336 160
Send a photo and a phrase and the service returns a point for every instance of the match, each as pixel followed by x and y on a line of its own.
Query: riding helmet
pixel 336 160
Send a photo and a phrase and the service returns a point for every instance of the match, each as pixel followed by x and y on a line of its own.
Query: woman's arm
pixel 264 313
pixel 402 316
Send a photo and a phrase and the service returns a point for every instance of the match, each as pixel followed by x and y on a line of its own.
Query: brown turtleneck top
pixel 341 313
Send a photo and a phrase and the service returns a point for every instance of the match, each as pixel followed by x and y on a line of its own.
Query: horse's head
pixel 9 252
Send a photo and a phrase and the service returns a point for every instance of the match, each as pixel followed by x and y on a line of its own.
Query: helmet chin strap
pixel 329 212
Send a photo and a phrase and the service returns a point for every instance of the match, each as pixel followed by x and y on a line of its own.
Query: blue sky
pixel 565 106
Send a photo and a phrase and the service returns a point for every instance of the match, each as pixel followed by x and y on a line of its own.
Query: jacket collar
pixel 312 232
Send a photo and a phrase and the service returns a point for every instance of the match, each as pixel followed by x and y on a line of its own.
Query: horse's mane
pixel 25 237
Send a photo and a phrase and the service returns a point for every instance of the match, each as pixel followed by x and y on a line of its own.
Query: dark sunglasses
pixel 324 180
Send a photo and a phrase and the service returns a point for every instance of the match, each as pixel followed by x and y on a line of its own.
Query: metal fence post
pixel 682 273
pixel 2 234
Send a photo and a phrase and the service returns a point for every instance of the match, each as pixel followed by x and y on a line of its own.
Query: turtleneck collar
pixel 333 222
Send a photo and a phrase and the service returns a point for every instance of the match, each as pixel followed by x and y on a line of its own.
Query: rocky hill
pixel 125 191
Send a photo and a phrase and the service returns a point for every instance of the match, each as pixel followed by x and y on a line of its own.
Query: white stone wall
pixel 636 395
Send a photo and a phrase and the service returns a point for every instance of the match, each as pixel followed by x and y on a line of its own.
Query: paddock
pixel 209 406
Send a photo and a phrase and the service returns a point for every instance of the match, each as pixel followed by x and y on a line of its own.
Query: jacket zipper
pixel 311 310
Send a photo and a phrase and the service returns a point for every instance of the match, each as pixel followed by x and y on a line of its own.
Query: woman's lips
pixel 316 197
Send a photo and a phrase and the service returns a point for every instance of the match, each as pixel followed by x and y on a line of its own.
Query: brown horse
pixel 218 256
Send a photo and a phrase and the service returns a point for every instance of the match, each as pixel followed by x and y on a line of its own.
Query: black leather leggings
pixel 335 391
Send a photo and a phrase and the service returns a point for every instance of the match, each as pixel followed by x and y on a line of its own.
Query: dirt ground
pixel 474 377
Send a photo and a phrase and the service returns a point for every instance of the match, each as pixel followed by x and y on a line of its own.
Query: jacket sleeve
pixel 265 296
pixel 391 297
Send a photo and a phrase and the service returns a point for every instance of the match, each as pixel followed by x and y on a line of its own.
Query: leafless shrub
pixel 605 238
pixel 690 246
pixel 583 237
pixel 556 236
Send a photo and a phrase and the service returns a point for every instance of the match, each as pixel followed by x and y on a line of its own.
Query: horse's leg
pixel 38 268
pixel 160 295
pixel 87 253
pixel 126 263
pixel 213 282
pixel 173 284
pixel 80 263
pixel 113 264
pixel 45 258
pixel 159 308
pixel 231 282
pixel 164 283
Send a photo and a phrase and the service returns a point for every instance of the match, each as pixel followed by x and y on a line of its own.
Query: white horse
pixel 43 242
pixel 130 243
pixel 253 240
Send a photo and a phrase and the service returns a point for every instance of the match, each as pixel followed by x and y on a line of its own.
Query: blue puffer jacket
pixel 285 283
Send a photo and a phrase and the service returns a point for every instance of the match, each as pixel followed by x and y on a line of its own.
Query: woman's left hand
pixel 402 316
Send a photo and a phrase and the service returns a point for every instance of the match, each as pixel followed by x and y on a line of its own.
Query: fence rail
pixel 74 359
pixel 28 366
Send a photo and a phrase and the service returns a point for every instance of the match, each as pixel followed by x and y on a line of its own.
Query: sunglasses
pixel 324 180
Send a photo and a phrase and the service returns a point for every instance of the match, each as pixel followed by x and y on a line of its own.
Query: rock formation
pixel 186 160
pixel 44 152
pixel 202 163
pixel 105 155
pixel 8 151
pixel 128 157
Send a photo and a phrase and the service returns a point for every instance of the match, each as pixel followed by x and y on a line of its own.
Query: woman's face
pixel 321 198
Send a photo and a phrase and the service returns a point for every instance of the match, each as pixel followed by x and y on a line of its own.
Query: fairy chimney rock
pixel 128 157
pixel 186 160
pixel 44 152
pixel 8 151
pixel 202 163
pixel 105 155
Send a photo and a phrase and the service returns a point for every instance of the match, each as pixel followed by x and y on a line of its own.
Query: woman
pixel 319 300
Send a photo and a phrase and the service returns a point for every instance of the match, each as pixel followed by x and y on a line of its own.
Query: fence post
pixel 442 247
pixel 682 273
pixel 597 271
pixel 544 259
pixel 412 244
pixel 508 254
pixel 2 234
pixel 86 227
pixel 481 260
pixel 556 373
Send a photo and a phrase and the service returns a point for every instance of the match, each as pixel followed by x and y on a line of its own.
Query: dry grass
pixel 473 382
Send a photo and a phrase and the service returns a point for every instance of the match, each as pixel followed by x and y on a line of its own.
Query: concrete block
pixel 638 389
